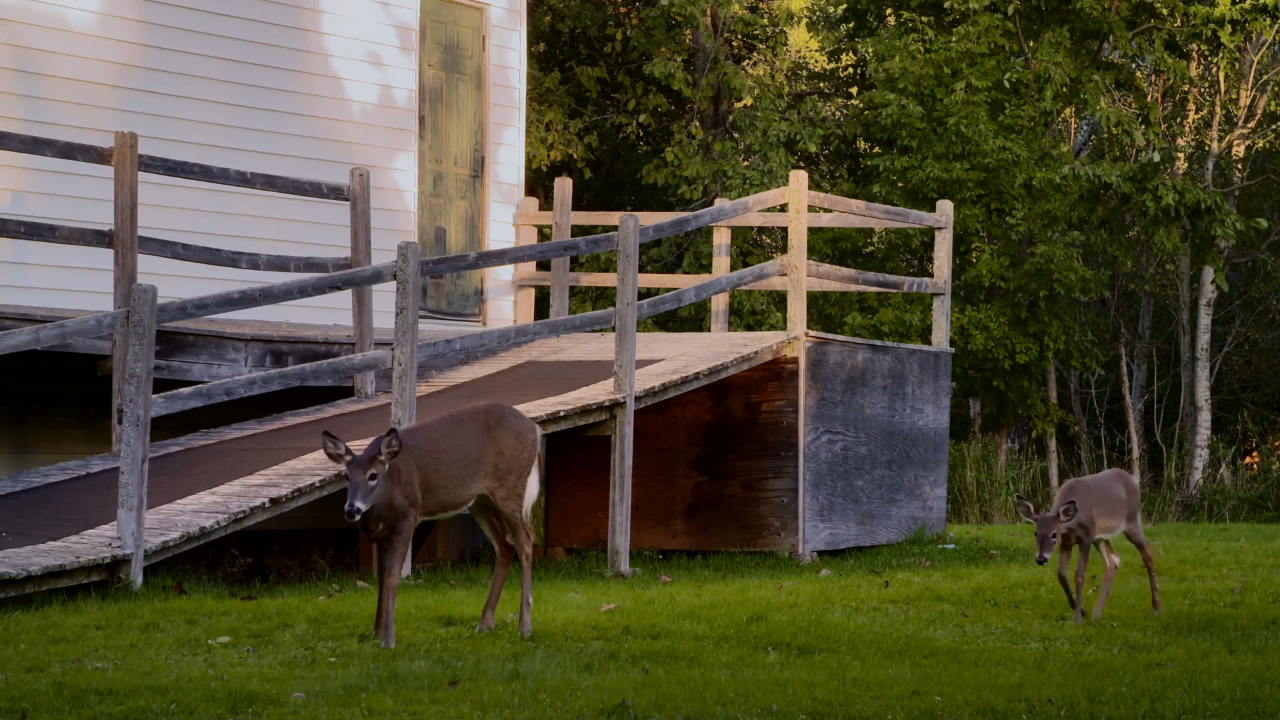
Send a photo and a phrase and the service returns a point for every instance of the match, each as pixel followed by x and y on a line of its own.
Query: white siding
pixel 306 88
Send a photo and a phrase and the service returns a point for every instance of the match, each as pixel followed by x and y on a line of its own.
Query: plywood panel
pixel 876 442
pixel 714 469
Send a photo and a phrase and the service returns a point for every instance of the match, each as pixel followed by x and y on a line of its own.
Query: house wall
pixel 306 88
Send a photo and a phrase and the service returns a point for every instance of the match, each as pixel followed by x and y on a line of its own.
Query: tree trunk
pixel 1201 400
pixel 1141 358
pixel 1051 439
pixel 1002 449
pixel 1082 427
pixel 1185 341
pixel 1135 447
pixel 975 414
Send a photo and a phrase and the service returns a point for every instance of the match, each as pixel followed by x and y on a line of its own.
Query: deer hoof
pixel 484 627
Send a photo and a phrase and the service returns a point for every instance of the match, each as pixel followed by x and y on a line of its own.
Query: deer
pixel 1090 511
pixel 483 458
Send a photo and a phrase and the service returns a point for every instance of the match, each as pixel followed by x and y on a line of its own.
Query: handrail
pixel 156 165
pixel 171 249
pixel 882 281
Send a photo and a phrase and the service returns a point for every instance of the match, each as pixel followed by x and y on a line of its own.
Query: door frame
pixel 486 24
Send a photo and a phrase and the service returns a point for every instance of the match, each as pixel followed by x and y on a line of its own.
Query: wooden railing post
pixel 624 384
pixel 942 274
pixel 561 229
pixel 526 235
pixel 721 237
pixel 797 321
pixel 404 354
pixel 135 428
pixel 124 242
pixel 361 256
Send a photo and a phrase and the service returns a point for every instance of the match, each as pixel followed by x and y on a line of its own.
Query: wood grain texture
pixel 754 219
pixel 526 235
pixel 714 469
pixel 721 252
pixel 673 282
pixel 561 229
pixel 135 428
pixel 942 239
pixel 703 291
pixel 361 256
pixel 915 218
pixel 863 278
pixel 624 385
pixel 34 337
pixel 797 264
pixel 876 442
pixel 404 354
pixel 124 239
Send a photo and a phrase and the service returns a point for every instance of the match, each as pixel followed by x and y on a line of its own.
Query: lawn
pixel 913 630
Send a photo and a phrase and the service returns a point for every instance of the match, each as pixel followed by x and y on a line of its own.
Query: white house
pixel 427 94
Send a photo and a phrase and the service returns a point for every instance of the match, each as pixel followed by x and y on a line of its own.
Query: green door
pixel 451 152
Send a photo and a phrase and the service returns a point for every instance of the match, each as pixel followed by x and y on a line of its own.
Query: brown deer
pixel 1087 511
pixel 484 458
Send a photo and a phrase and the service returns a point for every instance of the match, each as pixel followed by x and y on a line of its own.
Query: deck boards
pixel 677 363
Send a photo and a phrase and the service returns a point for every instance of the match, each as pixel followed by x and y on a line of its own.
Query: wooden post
pixel 404 354
pixel 124 242
pixel 561 229
pixel 797 321
pixel 526 235
pixel 361 256
pixel 135 428
pixel 624 384
pixel 942 274
pixel 721 238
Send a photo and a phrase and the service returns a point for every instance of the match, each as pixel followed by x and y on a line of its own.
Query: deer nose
pixel 1040 559
pixel 352 513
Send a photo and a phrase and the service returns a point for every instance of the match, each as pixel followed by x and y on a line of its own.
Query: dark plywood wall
pixel 714 468
pixel 876 442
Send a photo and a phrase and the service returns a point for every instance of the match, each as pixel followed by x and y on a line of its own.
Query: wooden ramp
pixel 212 483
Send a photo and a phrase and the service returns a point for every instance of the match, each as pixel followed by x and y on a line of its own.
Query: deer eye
pixel 373 478
pixel 1053 536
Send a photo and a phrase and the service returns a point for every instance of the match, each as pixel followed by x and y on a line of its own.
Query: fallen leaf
pixel 824 572
pixel 644 669
pixel 223 640
pixel 177 588
pixel 452 684
pixel 249 598
pixel 1235 591
pixel 299 696
pixel 964 614
pixel 453 584
pixel 664 578
pixel 323 597
pixel 361 584
pixel 576 592
pixel 333 659
pixel 925 563
pixel 608 607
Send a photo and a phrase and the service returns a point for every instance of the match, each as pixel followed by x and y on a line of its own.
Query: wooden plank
pixel 721 239
pixel 706 290
pixel 63 331
pixel 914 218
pixel 882 281
pixel 942 239
pixel 876 443
pixel 798 313
pixel 404 354
pixel 60 149
pixel 515 334
pixel 624 384
pixel 173 250
pixel 124 240
pixel 135 428
pixel 361 256
pixel 675 282
pixel 561 229
pixel 774 219
pixel 54 581
pixel 526 235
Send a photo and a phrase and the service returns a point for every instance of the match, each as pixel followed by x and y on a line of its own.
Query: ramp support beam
pixel 798 321
pixel 361 256
pixel 135 428
pixel 624 384
pixel 124 243
pixel 561 229
pixel 942 274
pixel 721 239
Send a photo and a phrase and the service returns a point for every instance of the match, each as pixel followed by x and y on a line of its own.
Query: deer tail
pixel 534 483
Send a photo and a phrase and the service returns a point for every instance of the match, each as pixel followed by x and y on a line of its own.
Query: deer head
pixel 1048 525
pixel 363 470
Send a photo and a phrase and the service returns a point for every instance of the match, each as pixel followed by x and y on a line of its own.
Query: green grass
pixel 906 631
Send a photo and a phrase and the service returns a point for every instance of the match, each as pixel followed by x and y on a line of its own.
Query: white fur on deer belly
pixel 446 515
pixel 1107 533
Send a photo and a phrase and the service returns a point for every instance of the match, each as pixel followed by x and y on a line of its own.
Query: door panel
pixel 450 153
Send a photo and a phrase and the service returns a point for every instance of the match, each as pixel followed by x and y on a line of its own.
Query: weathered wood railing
pixel 126 244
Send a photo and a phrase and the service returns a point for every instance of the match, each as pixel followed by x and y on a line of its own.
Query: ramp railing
pixel 137 324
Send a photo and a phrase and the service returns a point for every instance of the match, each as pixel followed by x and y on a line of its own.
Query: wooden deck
pixel 677 363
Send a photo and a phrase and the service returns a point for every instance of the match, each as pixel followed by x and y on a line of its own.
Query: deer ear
pixel 1025 509
pixel 335 448
pixel 1067 512
pixel 390 446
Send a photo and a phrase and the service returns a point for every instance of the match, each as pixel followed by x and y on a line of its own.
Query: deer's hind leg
pixel 522 535
pixel 490 521
pixel 1081 566
pixel 1064 557
pixel 1139 540
pixel 1112 562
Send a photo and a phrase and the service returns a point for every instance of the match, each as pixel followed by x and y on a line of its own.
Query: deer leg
pixel 1113 563
pixel 484 515
pixel 391 554
pixel 1139 541
pixel 379 551
pixel 1081 566
pixel 523 537
pixel 1064 557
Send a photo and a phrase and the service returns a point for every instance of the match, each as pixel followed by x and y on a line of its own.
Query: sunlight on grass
pixel 912 630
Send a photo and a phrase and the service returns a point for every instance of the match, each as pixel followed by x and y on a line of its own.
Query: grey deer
pixel 485 458
pixel 1090 510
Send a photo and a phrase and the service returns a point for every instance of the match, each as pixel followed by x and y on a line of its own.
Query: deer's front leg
pixel 1081 565
pixel 391 554
pixel 378 619
pixel 1064 557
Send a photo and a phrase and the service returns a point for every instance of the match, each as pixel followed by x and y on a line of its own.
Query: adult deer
pixel 485 458
pixel 1087 511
